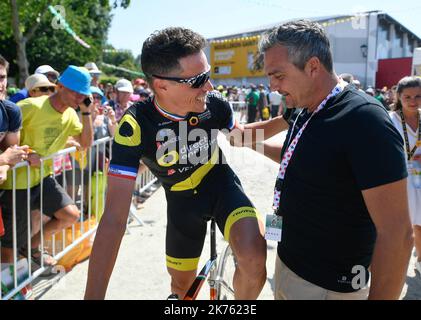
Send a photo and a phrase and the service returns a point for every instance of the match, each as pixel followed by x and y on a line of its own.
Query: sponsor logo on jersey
pixel 164 123
pixel 123 138
pixel 205 115
pixel 194 121
pixel 168 159
pixel 171 172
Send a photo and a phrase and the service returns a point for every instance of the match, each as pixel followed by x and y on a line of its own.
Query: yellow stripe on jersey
pixel 194 180
pixel 182 264
pixel 237 214
pixel 132 141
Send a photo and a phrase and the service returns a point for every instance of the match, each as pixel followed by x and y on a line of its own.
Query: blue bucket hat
pixel 99 92
pixel 76 79
pixel 96 90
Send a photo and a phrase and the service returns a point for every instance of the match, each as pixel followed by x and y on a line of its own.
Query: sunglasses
pixel 194 82
pixel 46 89
pixel 97 97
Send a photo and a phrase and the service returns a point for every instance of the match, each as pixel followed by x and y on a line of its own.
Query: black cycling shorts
pixel 219 196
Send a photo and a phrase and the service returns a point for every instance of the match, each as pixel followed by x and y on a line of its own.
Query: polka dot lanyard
pixel 291 147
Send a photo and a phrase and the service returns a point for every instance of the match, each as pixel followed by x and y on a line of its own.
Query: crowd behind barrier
pixel 73 244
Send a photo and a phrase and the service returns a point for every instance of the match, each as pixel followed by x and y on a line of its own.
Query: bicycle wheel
pixel 225 275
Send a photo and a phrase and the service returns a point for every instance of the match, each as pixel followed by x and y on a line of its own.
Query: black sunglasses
pixel 194 82
pixel 46 89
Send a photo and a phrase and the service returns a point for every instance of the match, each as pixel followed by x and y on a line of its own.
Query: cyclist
pixel 174 134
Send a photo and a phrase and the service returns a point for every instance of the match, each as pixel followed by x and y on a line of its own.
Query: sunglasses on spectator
pixel 96 97
pixel 46 89
pixel 194 82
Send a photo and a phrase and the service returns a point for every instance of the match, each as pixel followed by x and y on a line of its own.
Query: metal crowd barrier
pixel 25 278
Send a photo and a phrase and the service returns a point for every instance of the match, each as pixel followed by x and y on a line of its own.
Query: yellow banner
pixel 236 58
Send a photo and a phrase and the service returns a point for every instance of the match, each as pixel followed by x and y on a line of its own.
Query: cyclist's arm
pixel 108 236
pixel 248 134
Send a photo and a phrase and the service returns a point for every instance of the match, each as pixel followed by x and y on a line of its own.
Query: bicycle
pixel 220 276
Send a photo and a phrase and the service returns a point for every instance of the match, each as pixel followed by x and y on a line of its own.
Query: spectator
pixel 38 85
pixel 370 91
pixel 47 124
pixel 46 70
pixel 104 121
pixel 380 95
pixel 144 94
pixel 110 92
pixel 347 77
pixel 139 85
pixel 275 100
pixel 94 72
pixel 341 204
pixel 357 85
pixel 262 102
pixel 10 124
pixel 242 104
pixel 252 99
pixel 124 90
pixel 407 118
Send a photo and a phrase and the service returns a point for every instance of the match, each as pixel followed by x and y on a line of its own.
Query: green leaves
pixel 89 19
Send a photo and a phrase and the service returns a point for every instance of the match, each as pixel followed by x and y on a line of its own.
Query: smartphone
pixel 87 102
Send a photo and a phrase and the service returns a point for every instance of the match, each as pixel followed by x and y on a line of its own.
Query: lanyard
pixel 410 153
pixel 291 147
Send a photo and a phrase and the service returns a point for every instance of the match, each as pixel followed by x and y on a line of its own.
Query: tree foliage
pixel 89 19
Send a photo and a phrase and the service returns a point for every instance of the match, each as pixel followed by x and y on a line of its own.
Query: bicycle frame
pixel 210 268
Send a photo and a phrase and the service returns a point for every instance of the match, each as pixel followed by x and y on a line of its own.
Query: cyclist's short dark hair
pixel 303 39
pixel 4 63
pixel 162 50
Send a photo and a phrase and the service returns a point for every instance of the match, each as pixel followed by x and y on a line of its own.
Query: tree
pixel 36 42
pixel 120 58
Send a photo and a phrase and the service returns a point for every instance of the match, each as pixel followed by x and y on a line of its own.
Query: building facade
pixel 372 46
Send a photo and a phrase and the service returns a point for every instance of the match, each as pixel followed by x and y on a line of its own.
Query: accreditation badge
pixel 273 227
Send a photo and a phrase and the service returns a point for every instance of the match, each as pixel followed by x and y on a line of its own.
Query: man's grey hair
pixel 303 39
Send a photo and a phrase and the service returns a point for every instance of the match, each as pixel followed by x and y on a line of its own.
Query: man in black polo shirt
pixel 341 187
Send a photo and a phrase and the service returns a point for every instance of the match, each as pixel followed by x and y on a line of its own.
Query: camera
pixel 105 111
pixel 87 101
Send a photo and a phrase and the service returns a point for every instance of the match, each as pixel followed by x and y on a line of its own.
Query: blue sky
pixel 211 18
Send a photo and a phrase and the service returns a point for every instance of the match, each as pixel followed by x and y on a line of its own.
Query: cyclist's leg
pixel 243 229
pixel 249 248
pixel 186 231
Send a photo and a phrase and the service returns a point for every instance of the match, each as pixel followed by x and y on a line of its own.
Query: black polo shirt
pixel 349 146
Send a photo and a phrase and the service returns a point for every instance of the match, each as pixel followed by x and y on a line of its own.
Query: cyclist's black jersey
pixel 183 154
pixel 180 152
